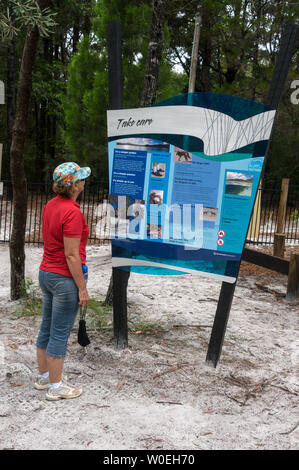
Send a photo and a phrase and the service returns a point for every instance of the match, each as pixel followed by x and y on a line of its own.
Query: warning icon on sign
pixel 221 233
pixel 220 242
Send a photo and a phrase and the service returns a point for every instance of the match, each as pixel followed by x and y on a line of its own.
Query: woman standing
pixel 61 278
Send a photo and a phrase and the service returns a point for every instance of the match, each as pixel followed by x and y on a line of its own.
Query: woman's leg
pixel 64 311
pixel 55 365
pixel 42 361
pixel 45 327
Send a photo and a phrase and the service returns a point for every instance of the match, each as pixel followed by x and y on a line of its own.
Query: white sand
pixel 159 393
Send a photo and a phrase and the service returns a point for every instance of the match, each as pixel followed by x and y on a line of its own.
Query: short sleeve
pixel 72 225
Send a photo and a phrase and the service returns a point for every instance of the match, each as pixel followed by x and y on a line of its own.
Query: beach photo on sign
pixel 140 143
pixel 156 197
pixel 238 183
pixel 158 170
pixel 181 156
pixel 154 231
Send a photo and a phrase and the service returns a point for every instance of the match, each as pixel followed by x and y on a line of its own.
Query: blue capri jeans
pixel 60 308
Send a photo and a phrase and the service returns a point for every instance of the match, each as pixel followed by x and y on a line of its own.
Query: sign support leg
pixel 120 321
pixel 288 42
pixel 220 322
pixel 119 276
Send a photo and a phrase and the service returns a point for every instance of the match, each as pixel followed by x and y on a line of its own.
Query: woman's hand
pixel 71 250
pixel 83 297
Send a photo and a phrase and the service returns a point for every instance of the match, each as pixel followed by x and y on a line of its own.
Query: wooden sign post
pixel 119 276
pixel 279 236
pixel 293 278
pixel 2 101
pixel 288 42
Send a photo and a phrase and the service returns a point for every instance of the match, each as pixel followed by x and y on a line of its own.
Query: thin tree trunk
pixel 206 49
pixel 17 239
pixel 76 35
pixel 109 294
pixel 255 55
pixel 154 55
pixel 11 102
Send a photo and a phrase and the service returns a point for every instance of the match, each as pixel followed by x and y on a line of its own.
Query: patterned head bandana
pixel 69 172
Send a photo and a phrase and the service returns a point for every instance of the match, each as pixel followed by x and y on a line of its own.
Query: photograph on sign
pixel 194 161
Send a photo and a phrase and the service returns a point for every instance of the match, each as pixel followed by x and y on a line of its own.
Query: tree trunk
pixel 109 294
pixel 255 54
pixel 17 239
pixel 11 103
pixel 76 35
pixel 206 49
pixel 154 55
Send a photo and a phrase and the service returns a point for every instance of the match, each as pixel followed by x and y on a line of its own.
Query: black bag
pixel 83 339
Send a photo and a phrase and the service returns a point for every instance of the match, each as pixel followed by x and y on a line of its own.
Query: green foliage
pixel 99 316
pixel 31 301
pixel 26 14
pixel 85 105
pixel 239 41
pixel 86 99
pixel 295 215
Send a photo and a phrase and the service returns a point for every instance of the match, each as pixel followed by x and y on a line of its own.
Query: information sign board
pixel 183 176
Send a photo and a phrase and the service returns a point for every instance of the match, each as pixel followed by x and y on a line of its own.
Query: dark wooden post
pixel 279 236
pixel 288 42
pixel 220 323
pixel 119 276
pixel 115 77
pixel 293 278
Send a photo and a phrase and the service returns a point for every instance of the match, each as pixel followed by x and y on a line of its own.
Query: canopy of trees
pixel 239 40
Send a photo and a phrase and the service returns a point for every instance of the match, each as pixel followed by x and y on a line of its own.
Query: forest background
pixel 238 46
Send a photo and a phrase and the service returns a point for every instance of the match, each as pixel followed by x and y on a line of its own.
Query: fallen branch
pixel 251 389
pixel 284 389
pixel 173 369
pixel 167 351
pixel 169 402
pixel 269 290
pixel 98 406
pixel 291 430
pixel 192 326
pixel 242 403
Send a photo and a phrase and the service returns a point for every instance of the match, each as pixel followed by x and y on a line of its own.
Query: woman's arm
pixel 71 250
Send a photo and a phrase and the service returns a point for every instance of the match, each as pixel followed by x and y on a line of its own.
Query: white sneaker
pixel 64 391
pixel 43 384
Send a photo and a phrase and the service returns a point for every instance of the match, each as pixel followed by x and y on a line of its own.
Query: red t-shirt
pixel 62 217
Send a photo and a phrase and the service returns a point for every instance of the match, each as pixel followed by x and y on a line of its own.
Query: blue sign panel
pixel 183 179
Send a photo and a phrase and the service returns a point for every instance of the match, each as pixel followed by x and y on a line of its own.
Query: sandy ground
pixel 159 393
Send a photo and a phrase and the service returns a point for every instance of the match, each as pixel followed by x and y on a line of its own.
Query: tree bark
pixel 154 55
pixel 109 294
pixel 11 102
pixel 17 239
pixel 255 54
pixel 206 49
pixel 76 35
